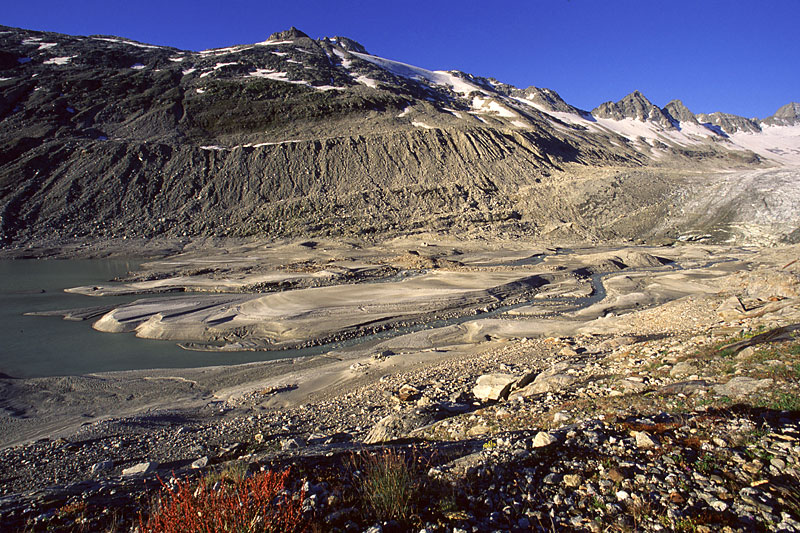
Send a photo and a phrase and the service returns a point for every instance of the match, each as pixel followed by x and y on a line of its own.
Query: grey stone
pixel 141 469
pixel 717 505
pixel 543 439
pixel 493 387
pixel 200 463
pixel 644 441
pixel 400 425
pixel 102 466
pixel 731 309
pixel 741 386
pixel 292 444
pixel 684 368
pixel 684 387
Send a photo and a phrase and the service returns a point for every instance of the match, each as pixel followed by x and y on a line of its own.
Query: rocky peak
pixel 348 44
pixel 291 34
pixel 548 99
pixel 635 106
pixel 678 112
pixel 728 123
pixel 788 115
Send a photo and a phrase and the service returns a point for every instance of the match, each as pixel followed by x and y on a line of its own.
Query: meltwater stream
pixel 35 346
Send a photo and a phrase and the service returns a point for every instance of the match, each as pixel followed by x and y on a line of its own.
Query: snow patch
pixel 189 71
pixel 776 143
pixel 455 113
pixel 273 43
pixel 228 50
pixel 199 91
pixel 176 59
pixel 490 105
pixel 435 77
pixel 131 43
pixel 405 112
pixel 280 54
pixel 259 145
pixel 369 82
pixel 45 46
pixel 212 147
pixel 346 62
pixel 269 74
pixel 137 66
pixel 421 125
pixel 282 76
pixel 520 124
pixel 59 60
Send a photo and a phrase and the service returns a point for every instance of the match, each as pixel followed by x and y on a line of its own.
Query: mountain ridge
pixel 104 137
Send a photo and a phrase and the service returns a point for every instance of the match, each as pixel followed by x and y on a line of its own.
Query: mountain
pixel 788 115
pixel 634 106
pixel 103 137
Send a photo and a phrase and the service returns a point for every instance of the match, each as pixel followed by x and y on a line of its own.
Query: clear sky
pixel 737 56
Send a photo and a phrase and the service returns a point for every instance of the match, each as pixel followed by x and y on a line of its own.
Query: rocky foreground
pixel 686 417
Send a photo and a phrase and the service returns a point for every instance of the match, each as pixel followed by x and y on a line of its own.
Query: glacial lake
pixel 36 346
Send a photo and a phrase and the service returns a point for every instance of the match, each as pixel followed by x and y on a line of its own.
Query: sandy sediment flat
pixel 683 285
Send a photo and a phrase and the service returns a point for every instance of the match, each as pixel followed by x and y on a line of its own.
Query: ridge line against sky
pixel 735 56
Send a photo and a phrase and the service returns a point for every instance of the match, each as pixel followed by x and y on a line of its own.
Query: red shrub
pixel 257 504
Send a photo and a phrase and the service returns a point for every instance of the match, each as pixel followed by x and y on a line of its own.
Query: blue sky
pixel 735 56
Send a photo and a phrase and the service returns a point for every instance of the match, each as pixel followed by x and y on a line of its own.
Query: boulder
pixel 731 309
pixel 401 425
pixel 543 439
pixel 644 441
pixel 200 463
pixel 493 387
pixel 741 386
pixel 684 368
pixel 102 466
pixel 141 469
pixel 551 380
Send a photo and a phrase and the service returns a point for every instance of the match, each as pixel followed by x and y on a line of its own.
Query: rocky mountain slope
pixel 103 137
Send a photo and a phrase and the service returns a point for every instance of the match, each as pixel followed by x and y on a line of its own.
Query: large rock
pixel 684 368
pixel 741 386
pixel 543 439
pixel 731 309
pixel 141 469
pixel 493 387
pixel 552 380
pixel 401 425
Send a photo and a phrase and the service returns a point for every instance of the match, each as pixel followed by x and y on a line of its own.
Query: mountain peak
pixel 348 44
pixel 678 112
pixel 729 123
pixel 634 106
pixel 288 35
pixel 789 111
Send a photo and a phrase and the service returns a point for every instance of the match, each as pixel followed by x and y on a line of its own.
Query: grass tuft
pixel 387 484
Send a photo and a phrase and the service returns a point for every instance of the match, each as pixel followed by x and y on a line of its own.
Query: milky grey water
pixel 33 346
